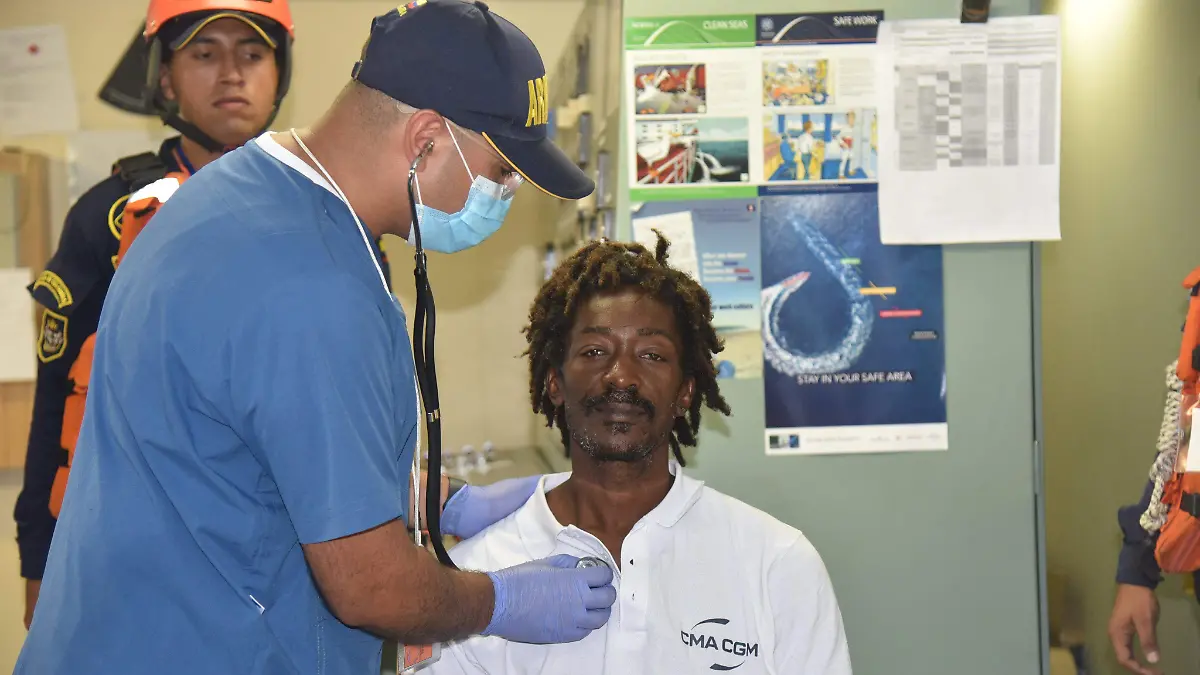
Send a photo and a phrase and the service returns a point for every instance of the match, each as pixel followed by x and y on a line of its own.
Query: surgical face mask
pixel 480 216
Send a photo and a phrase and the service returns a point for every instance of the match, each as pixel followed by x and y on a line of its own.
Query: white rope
pixel 1168 453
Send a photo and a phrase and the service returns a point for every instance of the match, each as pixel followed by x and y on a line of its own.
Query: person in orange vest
pixel 214 70
pixel 1161 532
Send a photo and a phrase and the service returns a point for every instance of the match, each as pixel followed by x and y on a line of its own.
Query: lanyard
pixel 426 375
pixel 182 160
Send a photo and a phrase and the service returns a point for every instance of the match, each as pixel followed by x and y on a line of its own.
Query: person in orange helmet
pixel 214 70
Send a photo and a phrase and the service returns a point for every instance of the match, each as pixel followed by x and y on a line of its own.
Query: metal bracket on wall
pixel 976 11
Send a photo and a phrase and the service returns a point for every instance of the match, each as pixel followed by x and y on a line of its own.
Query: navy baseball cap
pixel 481 72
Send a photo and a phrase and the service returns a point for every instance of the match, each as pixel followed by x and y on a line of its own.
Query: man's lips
pixel 621 412
pixel 231 102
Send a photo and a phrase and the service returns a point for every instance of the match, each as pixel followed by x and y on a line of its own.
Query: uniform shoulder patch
pixel 57 287
pixel 52 343
pixel 116 214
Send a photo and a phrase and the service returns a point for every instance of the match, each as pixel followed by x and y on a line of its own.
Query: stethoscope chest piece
pixel 590 561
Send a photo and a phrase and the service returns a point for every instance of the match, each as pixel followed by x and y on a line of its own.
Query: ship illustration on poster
pixel 852 330
pixel 692 151
pixel 670 89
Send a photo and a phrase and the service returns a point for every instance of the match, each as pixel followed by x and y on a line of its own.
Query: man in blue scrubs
pixel 237 499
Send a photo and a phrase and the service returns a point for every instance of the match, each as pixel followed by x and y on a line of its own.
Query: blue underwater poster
pixel 853 344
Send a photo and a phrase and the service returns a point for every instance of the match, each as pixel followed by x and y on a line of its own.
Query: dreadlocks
pixel 605 267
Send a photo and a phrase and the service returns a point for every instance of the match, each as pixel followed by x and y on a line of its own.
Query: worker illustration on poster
pixel 717 242
pixel 852 330
pixel 796 82
pixel 820 146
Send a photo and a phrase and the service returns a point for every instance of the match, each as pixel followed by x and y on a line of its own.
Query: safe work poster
pixel 778 113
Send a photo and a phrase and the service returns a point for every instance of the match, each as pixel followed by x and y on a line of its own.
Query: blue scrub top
pixel 252 390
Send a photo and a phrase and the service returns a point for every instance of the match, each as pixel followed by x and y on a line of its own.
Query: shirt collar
pixel 166 154
pixel 266 141
pixel 272 147
pixel 540 530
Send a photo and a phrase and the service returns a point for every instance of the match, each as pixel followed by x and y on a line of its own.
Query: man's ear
pixel 164 82
pixel 686 393
pixel 422 134
pixel 554 387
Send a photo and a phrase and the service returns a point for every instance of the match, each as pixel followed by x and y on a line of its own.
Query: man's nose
pixel 231 70
pixel 622 372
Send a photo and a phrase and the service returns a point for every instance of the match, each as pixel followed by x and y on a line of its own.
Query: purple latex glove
pixel 550 601
pixel 474 507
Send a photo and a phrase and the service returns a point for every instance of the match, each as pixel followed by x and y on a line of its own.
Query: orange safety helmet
pixel 162 11
pixel 134 85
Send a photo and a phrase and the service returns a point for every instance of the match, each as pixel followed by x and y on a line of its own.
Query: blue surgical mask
pixel 480 216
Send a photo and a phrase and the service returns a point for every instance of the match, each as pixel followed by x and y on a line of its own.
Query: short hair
pixel 374 109
pixel 605 267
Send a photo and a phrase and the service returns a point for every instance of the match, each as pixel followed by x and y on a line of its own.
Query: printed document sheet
pixel 969 127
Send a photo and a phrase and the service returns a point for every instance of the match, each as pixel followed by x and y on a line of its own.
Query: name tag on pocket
pixel 1192 463
pixel 410 658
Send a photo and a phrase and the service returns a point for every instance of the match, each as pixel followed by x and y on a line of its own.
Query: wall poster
pixel 754 148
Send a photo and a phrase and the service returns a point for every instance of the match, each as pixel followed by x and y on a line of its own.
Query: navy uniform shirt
pixel 70 290
pixel 1137 565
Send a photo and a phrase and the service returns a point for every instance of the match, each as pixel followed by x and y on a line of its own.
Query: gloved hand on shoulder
pixel 474 507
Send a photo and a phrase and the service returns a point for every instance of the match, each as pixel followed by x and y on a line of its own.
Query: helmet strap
pixel 193 132
pixel 173 120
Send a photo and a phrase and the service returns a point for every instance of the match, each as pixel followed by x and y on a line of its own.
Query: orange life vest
pixel 1178 547
pixel 141 206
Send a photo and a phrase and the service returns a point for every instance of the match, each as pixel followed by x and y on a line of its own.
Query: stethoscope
pixel 424 327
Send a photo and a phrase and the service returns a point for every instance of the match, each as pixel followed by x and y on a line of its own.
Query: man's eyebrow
pixel 605 330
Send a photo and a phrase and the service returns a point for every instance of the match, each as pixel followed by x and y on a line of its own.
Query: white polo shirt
pixel 706 583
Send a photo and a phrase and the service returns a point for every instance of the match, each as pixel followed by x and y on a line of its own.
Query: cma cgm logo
pixel 728 653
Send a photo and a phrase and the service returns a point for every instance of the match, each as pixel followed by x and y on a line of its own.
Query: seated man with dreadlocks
pixel 621 353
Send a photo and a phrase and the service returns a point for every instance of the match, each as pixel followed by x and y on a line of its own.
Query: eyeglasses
pixel 510 180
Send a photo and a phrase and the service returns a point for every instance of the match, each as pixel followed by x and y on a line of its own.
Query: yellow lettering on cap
pixel 539 109
pixel 532 105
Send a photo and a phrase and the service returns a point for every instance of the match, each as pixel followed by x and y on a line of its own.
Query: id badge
pixel 410 658
pixel 1188 459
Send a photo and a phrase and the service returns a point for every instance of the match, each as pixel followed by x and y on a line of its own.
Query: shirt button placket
pixel 635 578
